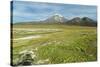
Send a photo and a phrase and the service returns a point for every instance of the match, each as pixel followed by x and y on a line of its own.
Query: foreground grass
pixel 70 44
pixel 79 50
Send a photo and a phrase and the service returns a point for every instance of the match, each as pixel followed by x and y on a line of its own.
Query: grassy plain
pixel 58 43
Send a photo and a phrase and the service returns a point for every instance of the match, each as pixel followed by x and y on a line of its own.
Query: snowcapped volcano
pixel 56 18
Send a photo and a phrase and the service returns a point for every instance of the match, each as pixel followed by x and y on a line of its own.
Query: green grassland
pixel 63 44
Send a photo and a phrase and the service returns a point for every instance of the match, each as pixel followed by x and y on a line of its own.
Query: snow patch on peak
pixel 59 15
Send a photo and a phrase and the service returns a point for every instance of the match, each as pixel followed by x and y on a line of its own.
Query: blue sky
pixel 35 11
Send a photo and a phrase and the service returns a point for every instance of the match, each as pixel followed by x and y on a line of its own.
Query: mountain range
pixel 59 19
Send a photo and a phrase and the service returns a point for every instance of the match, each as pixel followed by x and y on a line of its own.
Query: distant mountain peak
pixel 84 21
pixel 56 18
